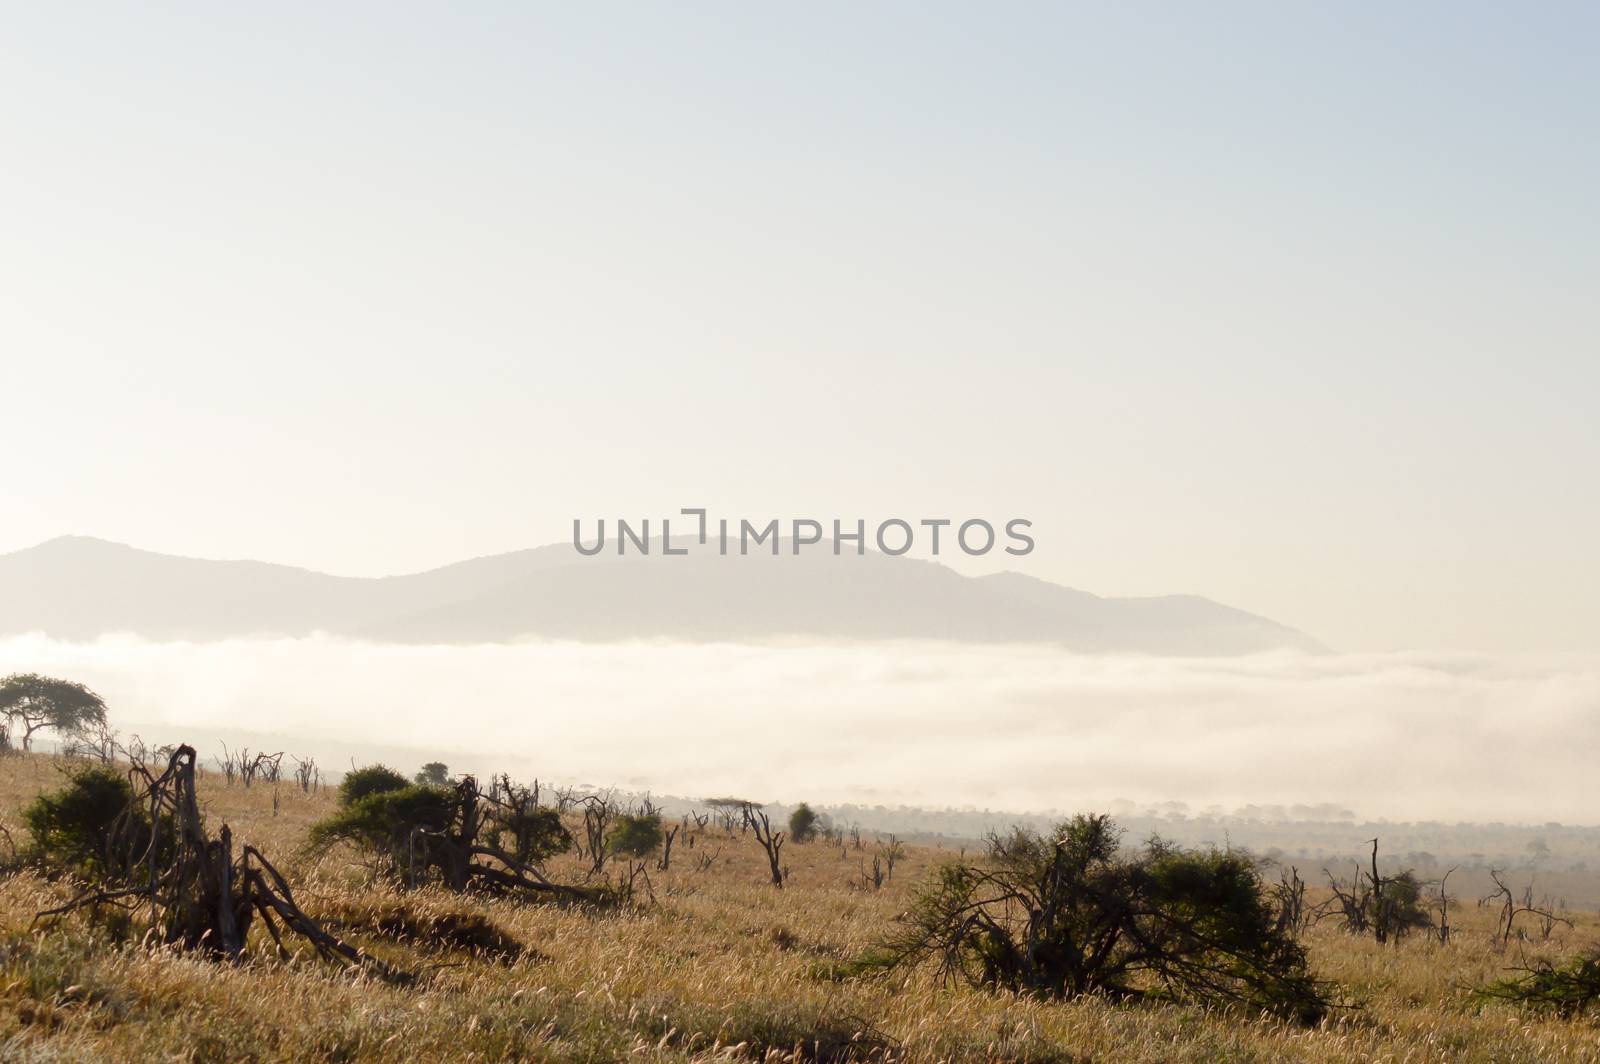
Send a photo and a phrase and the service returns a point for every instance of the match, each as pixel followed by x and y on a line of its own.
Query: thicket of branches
pixel 1570 990
pixel 1389 907
pixel 1070 914
pixel 159 863
pixel 458 837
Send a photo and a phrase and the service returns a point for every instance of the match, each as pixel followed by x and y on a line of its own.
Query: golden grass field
pixel 720 966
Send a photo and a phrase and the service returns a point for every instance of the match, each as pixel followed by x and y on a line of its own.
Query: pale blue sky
pixel 1289 306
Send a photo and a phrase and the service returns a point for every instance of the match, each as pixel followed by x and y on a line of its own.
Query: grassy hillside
pixel 721 965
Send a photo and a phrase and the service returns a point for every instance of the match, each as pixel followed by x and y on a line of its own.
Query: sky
pixel 1286 305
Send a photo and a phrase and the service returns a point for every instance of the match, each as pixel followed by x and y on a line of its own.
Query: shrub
pixel 367 780
pixel 802 823
pixel 1067 914
pixel 74 827
pixel 1569 990
pixel 634 836
pixel 429 834
pixel 531 835
pixel 1400 910
pixel 383 820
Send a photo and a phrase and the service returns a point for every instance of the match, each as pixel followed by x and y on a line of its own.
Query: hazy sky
pixel 1290 307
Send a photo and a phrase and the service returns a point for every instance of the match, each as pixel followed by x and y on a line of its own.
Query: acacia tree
pixel 434 774
pixel 771 841
pixel 32 702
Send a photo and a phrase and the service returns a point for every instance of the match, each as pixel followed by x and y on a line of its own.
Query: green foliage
pixel 802 823
pixel 531 835
pixel 31 701
pixel 1401 909
pixel 1570 990
pixel 434 774
pixel 634 836
pixel 383 821
pixel 75 827
pixel 1069 914
pixel 367 780
pixel 452 837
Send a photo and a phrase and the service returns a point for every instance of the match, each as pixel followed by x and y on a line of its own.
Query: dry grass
pixel 721 966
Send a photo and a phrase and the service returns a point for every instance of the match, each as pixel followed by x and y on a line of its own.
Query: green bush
pixel 1401 909
pixel 367 780
pixel 1569 990
pixel 531 835
pixel 422 835
pixel 1070 913
pixel 383 821
pixel 802 823
pixel 76 827
pixel 634 836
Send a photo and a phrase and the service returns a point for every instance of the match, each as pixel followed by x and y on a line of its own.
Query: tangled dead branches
pixel 197 895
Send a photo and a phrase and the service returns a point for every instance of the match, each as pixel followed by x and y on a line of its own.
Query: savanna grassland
pixel 719 964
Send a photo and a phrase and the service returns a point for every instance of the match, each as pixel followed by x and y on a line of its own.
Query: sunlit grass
pixel 720 966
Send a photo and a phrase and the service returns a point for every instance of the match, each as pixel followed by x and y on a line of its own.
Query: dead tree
pixel 138 753
pixel 1290 898
pixel 1349 901
pixel 699 820
pixel 1443 905
pixel 228 763
pixel 568 799
pixel 891 851
pixel 666 847
pixel 465 853
pixel 264 765
pixel 1380 927
pixel 517 813
pixel 1547 918
pixel 97 742
pixel 1510 910
pixel 196 895
pixel 771 841
pixel 598 812
pixel 501 788
pixel 270 767
pixel 307 775
pixel 1388 906
pixel 633 874
pixel 875 878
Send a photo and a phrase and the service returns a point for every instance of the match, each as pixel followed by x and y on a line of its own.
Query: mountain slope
pixel 80 588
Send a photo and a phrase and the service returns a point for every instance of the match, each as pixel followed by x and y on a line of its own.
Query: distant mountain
pixel 79 588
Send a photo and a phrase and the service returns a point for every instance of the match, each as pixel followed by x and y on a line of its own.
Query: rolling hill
pixel 79 588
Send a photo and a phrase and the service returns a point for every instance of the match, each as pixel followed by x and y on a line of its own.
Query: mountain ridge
pixel 81 587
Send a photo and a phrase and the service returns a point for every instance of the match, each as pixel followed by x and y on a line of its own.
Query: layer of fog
pixel 1442 736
